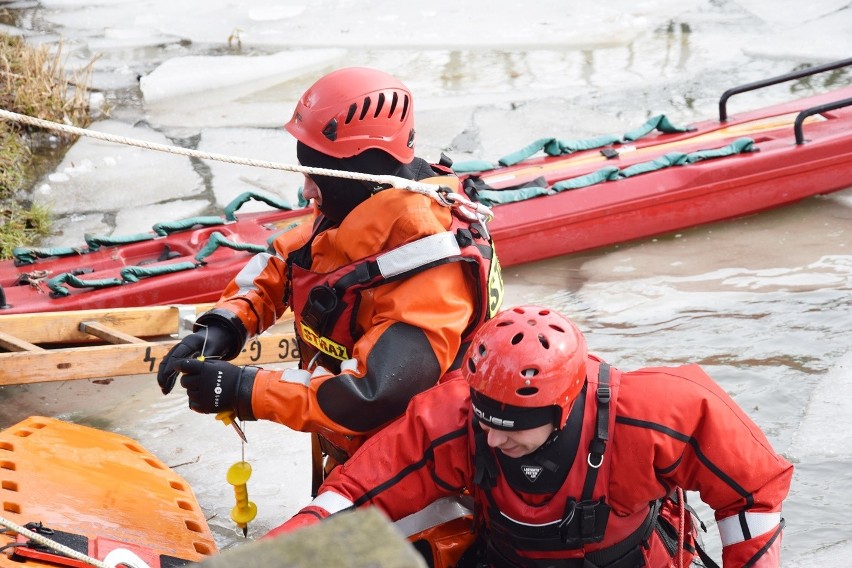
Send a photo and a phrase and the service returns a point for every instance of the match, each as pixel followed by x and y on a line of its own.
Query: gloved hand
pixel 215 341
pixel 216 386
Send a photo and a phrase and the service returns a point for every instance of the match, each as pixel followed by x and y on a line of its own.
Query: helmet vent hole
pixel 405 105
pixel 482 350
pixel 379 104
pixel 394 102
pixel 517 338
pixel 557 328
pixel 349 115
pixel 365 108
pixel 527 391
pixel 503 324
pixel 544 342
pixel 530 372
pixel 471 366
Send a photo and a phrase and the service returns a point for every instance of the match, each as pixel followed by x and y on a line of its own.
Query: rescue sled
pixel 580 195
pixel 95 493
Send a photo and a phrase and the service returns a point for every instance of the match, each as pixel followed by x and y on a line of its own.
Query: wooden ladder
pixel 92 344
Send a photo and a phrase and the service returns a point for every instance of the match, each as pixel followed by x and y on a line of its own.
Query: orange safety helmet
pixel 527 357
pixel 354 109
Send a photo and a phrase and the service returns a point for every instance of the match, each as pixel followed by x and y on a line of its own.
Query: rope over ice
pixel 443 195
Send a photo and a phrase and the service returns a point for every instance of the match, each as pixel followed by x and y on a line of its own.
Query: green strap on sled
pixel 738 146
pixel 608 173
pixel 58 284
pixel 29 255
pixel 491 197
pixel 217 240
pixel 94 242
pixel 131 274
pixel 659 122
pixel 612 173
pixel 241 199
pixel 555 147
pixel 165 229
pixel 128 274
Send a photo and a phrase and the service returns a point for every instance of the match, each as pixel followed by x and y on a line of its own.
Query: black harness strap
pixel 597 447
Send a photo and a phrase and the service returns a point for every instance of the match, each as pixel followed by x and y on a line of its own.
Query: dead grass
pixel 22 227
pixel 34 82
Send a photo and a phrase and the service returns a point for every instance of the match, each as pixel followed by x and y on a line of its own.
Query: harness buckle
pixel 584 522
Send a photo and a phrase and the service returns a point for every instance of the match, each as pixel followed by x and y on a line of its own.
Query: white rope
pixel 443 195
pixel 51 544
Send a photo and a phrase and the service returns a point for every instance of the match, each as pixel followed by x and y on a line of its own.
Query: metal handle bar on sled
pixel 723 113
pixel 800 118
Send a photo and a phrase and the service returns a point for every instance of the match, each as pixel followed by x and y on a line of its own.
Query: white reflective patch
pixel 731 531
pixel 331 502
pixel 298 376
pixel 252 269
pixel 320 371
pixel 419 253
pixel 434 514
pixel 349 365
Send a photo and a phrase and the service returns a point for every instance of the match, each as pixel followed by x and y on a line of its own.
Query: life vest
pixel 565 531
pixel 325 305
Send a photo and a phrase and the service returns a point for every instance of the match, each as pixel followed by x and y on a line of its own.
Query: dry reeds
pixel 33 81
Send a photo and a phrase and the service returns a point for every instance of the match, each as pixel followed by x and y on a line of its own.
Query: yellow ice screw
pixel 227 418
pixel 244 511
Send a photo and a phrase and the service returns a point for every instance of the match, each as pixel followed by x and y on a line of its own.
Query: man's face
pixel 310 190
pixel 517 443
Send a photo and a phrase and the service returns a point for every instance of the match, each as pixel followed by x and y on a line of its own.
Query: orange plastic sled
pixel 94 491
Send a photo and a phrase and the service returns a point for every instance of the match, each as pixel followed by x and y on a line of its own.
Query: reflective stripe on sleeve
pixel 418 253
pixel 331 502
pixel 436 513
pixel 252 269
pixel 298 376
pixel 745 526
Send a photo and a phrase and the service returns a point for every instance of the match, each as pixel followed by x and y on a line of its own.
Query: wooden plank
pixel 102 361
pixel 12 343
pixel 108 334
pixel 53 328
pixel 63 327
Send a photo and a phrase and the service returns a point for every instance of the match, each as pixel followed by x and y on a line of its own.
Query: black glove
pixel 216 341
pixel 216 386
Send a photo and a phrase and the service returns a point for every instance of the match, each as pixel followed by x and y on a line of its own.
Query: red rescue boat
pixel 578 197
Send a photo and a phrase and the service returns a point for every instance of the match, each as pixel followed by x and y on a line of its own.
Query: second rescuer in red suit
pixel 570 462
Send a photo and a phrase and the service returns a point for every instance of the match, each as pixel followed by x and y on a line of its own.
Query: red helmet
pixel 354 109
pixel 528 357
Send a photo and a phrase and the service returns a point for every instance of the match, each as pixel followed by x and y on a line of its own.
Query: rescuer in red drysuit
pixel 385 286
pixel 569 462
